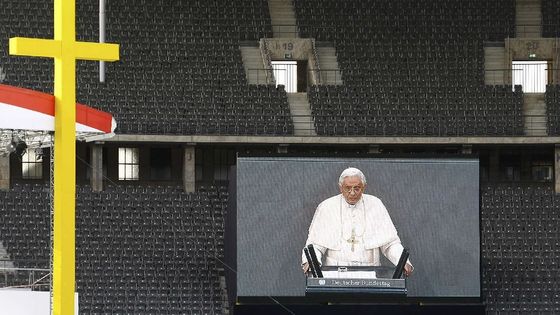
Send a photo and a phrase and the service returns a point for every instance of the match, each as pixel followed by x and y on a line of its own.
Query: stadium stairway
pixel 301 114
pixel 528 18
pixel 494 63
pixel 330 71
pixel 283 19
pixel 534 113
pixel 253 64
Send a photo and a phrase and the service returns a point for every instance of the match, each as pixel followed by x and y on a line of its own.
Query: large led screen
pixel 433 203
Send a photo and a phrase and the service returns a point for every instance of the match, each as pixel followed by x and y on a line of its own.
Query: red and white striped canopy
pixel 25 109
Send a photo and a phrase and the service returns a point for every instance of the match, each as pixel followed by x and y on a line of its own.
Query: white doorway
pixel 532 75
pixel 285 73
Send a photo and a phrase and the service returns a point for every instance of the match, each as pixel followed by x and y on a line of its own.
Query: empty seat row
pixel 163 252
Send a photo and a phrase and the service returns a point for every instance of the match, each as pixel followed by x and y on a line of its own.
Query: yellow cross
pixel 65 50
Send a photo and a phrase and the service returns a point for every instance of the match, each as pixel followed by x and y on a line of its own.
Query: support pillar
pixel 494 165
pixel 97 167
pixel 5 172
pixel 557 168
pixel 189 169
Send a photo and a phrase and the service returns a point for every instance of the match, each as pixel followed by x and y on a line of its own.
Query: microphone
pixel 400 266
pixel 311 266
pixel 314 261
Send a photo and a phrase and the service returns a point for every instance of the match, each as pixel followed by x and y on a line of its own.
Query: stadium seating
pixel 180 70
pixel 143 249
pixel 437 111
pixel 550 10
pixel 410 68
pixel 140 249
pixel 552 99
pixel 520 248
pixel 417 68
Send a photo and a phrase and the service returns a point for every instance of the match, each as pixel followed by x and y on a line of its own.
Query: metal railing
pixel 23 278
pixel 322 76
pixel 267 60
pixel 538 30
pixel 535 125
pixel 531 81
pixel 314 62
pixel 285 73
pixel 530 30
pixel 261 76
pixel 351 123
pixel 285 30
pixel 499 76
pixel 327 76
pixel 434 31
pixel 532 76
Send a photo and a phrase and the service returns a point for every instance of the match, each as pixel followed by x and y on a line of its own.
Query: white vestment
pixel 336 223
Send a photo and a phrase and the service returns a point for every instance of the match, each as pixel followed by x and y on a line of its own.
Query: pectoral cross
pixel 352 240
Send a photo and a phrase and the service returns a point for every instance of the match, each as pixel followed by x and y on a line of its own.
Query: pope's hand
pixel 408 270
pixel 305 268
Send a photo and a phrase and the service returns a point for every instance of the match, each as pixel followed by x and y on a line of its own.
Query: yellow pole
pixel 64 253
pixel 65 50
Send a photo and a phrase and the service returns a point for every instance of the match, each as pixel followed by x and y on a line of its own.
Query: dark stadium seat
pixel 170 87
pixel 405 61
pixel 550 10
pixel 517 266
pixel 552 100
pixel 128 259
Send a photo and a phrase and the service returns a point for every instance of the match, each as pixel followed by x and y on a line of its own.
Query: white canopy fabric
pixel 24 109
pixel 28 116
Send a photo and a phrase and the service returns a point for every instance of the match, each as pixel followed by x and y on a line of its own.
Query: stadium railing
pixel 285 30
pixel 19 277
pixel 532 30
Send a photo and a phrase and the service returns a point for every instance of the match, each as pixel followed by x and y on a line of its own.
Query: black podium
pixel 356 280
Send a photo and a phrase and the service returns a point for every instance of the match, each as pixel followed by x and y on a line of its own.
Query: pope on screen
pixel 353 228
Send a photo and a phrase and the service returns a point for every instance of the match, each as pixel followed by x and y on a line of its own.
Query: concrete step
pixel 528 19
pixel 303 120
pixel 301 114
pixel 299 99
pixel 534 106
pixel 299 105
pixel 328 61
pixel 494 58
pixel 252 61
pixel 534 111
pixel 282 13
pixel 534 96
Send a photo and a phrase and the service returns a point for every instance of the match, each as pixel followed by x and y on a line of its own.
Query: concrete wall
pixel 189 169
pixel 542 48
pixel 97 167
pixel 294 49
pixel 5 172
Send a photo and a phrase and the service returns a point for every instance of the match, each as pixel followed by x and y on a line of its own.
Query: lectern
pixel 374 280
pixel 356 280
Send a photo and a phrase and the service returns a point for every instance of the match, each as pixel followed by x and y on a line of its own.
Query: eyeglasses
pixel 356 189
